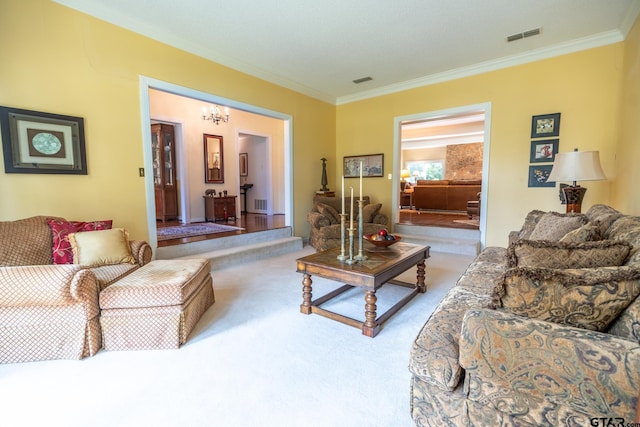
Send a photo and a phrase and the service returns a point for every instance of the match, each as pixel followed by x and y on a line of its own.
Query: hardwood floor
pixel 435 219
pixel 258 222
pixel 251 223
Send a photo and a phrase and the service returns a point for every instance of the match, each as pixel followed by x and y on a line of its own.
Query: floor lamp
pixel 576 166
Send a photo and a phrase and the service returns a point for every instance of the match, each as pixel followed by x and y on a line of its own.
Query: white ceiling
pixel 318 47
pixel 464 128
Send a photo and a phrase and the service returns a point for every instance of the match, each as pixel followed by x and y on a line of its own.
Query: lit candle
pixel 360 179
pixel 351 214
pixel 342 194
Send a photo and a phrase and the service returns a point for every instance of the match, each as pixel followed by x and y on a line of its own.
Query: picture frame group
pixel 543 150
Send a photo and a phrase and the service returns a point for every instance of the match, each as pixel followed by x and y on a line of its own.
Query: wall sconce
pixel 576 166
pixel 215 116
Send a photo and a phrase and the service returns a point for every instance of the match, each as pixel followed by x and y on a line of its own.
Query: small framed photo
pixel 372 166
pixel 545 125
pixel 244 164
pixel 538 176
pixel 544 151
pixel 35 142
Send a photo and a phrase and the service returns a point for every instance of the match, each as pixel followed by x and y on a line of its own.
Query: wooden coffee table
pixel 381 267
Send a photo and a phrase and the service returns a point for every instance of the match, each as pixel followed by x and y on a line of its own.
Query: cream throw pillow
pixel 104 247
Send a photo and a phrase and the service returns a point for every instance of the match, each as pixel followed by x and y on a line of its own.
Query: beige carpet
pixel 252 360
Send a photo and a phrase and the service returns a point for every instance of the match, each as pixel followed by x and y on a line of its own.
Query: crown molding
pixel 630 18
pixel 577 45
pixel 119 19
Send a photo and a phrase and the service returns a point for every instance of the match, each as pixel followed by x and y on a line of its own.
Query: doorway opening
pixel 192 180
pixel 255 172
pixel 442 168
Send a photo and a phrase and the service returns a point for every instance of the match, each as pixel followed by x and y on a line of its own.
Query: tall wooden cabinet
pixel 164 171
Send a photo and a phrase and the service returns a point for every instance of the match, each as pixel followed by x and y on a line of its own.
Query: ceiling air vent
pixel 524 34
pixel 362 80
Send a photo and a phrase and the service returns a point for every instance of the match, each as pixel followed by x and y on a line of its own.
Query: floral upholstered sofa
pixel 324 219
pixel 48 306
pixel 545 332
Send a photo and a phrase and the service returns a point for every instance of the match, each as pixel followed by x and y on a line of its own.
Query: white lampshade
pixel 577 166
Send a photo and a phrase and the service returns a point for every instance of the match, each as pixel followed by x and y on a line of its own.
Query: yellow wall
pixel 584 87
pixel 626 195
pixel 61 61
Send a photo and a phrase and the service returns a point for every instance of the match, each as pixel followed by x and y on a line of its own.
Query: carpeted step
pixel 223 258
pixel 232 250
pixel 441 239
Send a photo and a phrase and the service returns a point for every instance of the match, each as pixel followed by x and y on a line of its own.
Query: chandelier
pixel 214 114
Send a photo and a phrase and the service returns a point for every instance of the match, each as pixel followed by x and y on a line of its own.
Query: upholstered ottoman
pixel 156 306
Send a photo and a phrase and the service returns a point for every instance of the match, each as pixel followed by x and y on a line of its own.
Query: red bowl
pixel 382 243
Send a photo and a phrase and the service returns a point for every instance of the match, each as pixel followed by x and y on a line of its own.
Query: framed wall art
pixel 538 176
pixel 544 150
pixel 372 166
pixel 244 164
pixel 213 159
pixel 36 142
pixel 545 125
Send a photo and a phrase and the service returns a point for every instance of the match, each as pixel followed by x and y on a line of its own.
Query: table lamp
pixel 576 166
pixel 404 174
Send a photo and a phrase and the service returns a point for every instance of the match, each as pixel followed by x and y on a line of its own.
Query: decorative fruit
pixel 383 232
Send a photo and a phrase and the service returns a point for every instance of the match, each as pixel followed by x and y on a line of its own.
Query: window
pixel 425 169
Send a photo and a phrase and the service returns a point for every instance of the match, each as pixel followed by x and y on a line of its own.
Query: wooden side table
pixel 219 208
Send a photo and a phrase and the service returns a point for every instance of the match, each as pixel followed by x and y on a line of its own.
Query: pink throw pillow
pixel 60 230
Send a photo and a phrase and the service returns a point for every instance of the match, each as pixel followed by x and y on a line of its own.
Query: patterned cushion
pixel 530 222
pixel 587 233
pixel 603 217
pixel 329 212
pixel 25 242
pixel 628 323
pixel 104 247
pixel 585 298
pixel 542 253
pixel 553 225
pixel 628 228
pixel 369 212
pixel 535 373
pixel 60 230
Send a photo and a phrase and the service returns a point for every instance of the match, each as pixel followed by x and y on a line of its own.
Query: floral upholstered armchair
pixel 324 219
